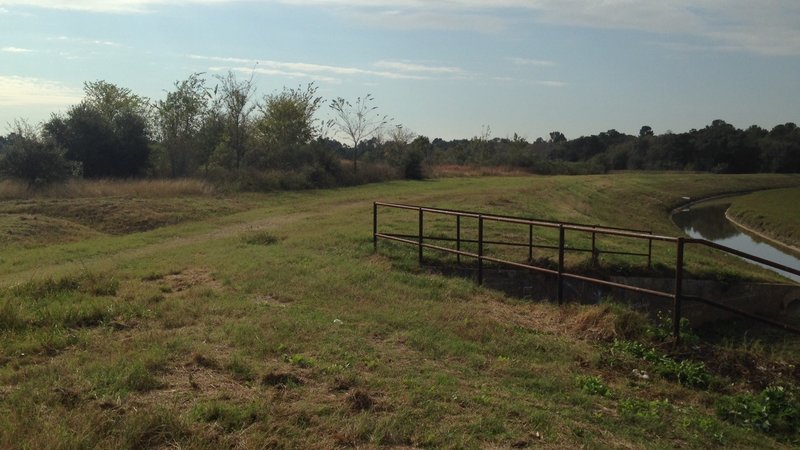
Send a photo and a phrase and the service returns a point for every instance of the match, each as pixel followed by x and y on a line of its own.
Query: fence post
pixel 480 249
pixel 676 306
pixel 530 243
pixel 458 237
pixel 560 292
pixel 650 252
pixel 594 245
pixel 421 221
pixel 374 226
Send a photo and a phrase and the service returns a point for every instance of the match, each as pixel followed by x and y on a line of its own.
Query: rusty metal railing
pixel 677 295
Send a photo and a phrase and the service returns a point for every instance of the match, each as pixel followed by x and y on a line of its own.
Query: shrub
pixel 773 410
pixel 34 161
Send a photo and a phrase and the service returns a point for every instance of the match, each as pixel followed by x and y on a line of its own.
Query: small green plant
pixel 229 417
pixel 299 360
pixel 662 329
pixel 593 385
pixel 685 372
pixel 774 410
pixel 10 316
pixel 260 238
pixel 648 412
pixel 240 369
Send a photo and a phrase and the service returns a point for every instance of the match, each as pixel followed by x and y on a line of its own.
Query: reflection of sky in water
pixel 709 222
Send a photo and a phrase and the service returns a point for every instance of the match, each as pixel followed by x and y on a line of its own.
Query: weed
pixel 229 417
pixel 593 385
pixel 646 412
pixel 299 360
pixel 685 372
pixel 240 369
pixel 154 428
pixel 11 318
pixel 260 238
pixel 775 410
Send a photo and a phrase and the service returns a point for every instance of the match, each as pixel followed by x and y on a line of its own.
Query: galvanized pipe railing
pixel 677 295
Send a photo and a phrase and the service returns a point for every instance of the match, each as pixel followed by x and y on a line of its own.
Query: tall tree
pixel 108 133
pixel 357 121
pixel 237 105
pixel 180 118
pixel 287 122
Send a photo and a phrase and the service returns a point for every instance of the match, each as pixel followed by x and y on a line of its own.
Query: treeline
pixel 220 130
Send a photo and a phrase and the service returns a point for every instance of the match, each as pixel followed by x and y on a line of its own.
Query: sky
pixel 449 69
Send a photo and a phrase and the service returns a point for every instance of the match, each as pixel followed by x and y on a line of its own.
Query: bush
pixel 774 410
pixel 34 161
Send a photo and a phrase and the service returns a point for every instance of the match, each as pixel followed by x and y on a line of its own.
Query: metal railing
pixel 677 295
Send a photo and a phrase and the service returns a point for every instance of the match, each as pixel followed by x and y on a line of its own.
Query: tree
pixel 236 108
pixel 108 133
pixel 287 122
pixel 180 117
pixel 395 148
pixel 646 130
pixel 357 121
pixel 28 157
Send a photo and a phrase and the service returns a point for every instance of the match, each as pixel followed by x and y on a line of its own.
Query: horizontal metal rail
pixel 744 255
pixel 677 295
pixel 724 307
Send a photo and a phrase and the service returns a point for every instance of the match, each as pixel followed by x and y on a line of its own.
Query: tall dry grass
pixel 10 189
pixel 456 170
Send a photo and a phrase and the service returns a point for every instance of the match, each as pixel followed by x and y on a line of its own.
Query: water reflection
pixel 707 221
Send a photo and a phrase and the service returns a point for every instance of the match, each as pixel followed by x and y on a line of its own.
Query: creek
pixel 706 220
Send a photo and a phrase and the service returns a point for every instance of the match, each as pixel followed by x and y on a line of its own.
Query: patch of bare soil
pixel 189 278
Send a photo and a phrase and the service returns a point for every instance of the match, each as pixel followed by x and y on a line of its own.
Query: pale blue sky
pixel 441 68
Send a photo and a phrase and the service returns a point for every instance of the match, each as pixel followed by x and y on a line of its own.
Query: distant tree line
pixel 220 130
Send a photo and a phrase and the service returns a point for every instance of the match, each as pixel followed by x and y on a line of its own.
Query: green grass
pixel 775 213
pixel 273 324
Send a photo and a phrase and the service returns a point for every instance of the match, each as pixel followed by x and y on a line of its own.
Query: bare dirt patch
pixel 190 278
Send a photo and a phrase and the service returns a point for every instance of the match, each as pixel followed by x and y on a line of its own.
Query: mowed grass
pixel 775 213
pixel 275 325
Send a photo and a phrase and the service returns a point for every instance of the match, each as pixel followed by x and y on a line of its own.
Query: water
pixel 707 220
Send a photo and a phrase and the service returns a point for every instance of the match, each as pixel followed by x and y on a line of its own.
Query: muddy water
pixel 706 220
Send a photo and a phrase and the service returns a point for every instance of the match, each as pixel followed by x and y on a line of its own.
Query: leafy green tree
pixel 180 118
pixel 237 106
pixel 108 133
pixel 286 123
pixel 357 121
pixel 26 156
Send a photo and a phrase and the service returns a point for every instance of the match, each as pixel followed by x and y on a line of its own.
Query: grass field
pixel 267 321
pixel 775 213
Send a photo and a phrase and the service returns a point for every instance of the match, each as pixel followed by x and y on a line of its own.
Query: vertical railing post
pixel 560 292
pixel 458 237
pixel 650 252
pixel 374 226
pixel 480 249
pixel 530 243
pixel 594 245
pixel 676 305
pixel 421 221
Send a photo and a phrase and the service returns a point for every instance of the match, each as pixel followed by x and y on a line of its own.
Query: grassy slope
pixel 278 326
pixel 776 213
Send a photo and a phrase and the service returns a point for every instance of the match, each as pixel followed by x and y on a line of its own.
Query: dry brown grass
pixel 107 188
pixel 456 170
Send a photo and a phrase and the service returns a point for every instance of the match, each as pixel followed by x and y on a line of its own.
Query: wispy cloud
pixel 766 27
pixel 27 91
pixel 405 66
pixel 390 69
pixel 16 50
pixel 531 62
pixel 85 41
